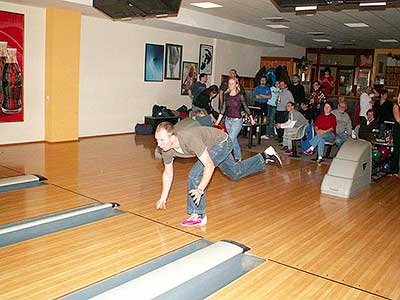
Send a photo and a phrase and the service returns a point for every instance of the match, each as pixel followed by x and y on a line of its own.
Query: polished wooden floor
pixel 318 247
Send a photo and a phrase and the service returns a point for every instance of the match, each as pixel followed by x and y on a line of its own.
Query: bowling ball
pixel 376 155
pixel 386 168
pixel 220 127
pixel 384 151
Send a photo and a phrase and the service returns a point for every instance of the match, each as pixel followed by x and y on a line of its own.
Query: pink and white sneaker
pixel 195 220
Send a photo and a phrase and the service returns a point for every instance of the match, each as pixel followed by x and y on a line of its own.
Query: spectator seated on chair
pixel 306 111
pixel 291 126
pixel 343 124
pixel 367 127
pixel 325 131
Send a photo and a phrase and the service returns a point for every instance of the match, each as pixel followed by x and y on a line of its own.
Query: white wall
pixel 113 94
pixel 32 129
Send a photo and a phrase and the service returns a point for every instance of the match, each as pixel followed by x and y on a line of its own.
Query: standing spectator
pixel 325 131
pixel 318 98
pixel 383 109
pixel 296 120
pixel 196 88
pixel 285 96
pixel 224 86
pixel 327 82
pixel 297 90
pixel 343 124
pixel 366 101
pixel 270 131
pixel 396 139
pixel 262 93
pixel 232 107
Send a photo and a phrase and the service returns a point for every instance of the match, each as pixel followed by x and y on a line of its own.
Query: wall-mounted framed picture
pixel 154 62
pixel 205 59
pixel 189 76
pixel 11 67
pixel 173 61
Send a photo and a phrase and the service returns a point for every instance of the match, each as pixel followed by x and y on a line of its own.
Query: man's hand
pixel 196 195
pixel 278 125
pixel 161 204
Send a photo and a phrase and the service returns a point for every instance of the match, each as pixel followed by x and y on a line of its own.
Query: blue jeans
pixel 233 127
pixel 319 141
pixel 341 138
pixel 222 158
pixel 271 120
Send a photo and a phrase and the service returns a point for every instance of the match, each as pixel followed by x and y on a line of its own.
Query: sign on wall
pixel 11 67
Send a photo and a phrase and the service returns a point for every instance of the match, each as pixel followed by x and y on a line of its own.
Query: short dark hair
pixel 304 102
pixel 296 75
pixel 384 92
pixel 291 103
pixel 263 77
pixel 329 103
pixel 211 89
pixel 327 69
pixel 202 75
pixel 370 110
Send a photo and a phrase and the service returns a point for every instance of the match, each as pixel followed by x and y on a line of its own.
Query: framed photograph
pixel 154 62
pixel 173 61
pixel 205 59
pixel 189 76
pixel 11 67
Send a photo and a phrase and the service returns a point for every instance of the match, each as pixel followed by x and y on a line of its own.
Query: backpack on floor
pixel 143 129
pixel 308 135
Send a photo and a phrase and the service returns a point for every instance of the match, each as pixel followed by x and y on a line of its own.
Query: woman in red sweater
pixel 325 131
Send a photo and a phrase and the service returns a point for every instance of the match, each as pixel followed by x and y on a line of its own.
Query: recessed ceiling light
pixel 302 8
pixel 388 41
pixel 277 26
pixel 322 40
pixel 381 3
pixel 356 25
pixel 206 4
pixel 272 18
pixel 316 33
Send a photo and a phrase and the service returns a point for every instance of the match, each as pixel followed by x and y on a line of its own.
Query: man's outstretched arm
pixel 167 177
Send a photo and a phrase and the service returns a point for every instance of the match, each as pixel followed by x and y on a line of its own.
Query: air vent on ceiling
pixel 124 9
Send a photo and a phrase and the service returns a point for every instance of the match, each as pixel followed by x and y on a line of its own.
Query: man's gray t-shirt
pixel 193 141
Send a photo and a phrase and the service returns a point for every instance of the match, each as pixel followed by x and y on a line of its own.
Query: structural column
pixel 63 29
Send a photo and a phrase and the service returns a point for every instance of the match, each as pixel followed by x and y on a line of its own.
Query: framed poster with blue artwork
pixel 154 62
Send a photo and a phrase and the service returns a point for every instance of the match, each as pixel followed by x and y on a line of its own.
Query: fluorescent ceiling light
pixel 206 4
pixel 273 18
pixel 302 8
pixel 356 25
pixel 382 3
pixel 388 41
pixel 322 40
pixel 277 26
pixel 316 33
